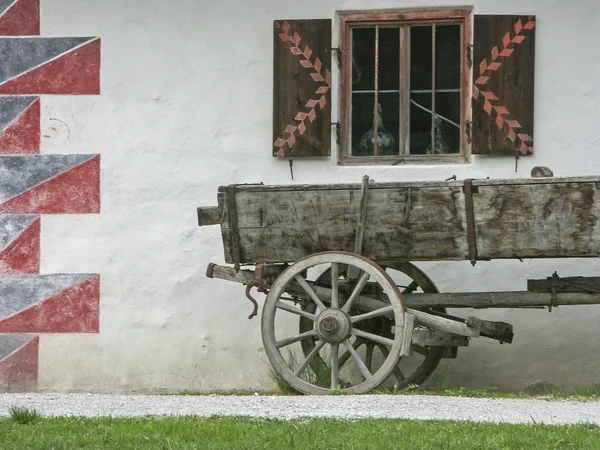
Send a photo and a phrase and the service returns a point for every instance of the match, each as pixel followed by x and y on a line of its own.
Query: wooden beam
pixel 443 324
pixel 568 284
pixel 208 215
pixel 230 274
pixel 427 336
pixel 516 299
pixel 507 299
pixel 371 304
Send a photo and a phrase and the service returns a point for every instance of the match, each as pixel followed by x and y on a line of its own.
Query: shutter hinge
pixel 468 128
pixel 338 52
pixel 469 56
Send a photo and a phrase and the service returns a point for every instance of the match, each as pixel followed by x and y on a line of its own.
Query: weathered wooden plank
pixel 230 274
pixel 567 284
pixel 516 299
pixel 503 78
pixel 513 299
pixel 420 221
pixel 443 324
pixel 259 187
pixel 467 328
pixel 208 215
pixel 400 223
pixel 302 88
pixel 535 181
pixel 552 220
pixel 427 336
pixel 500 331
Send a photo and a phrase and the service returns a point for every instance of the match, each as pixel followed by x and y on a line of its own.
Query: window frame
pixel 421 16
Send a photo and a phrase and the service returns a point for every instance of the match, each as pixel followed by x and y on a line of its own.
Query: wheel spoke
pixel 397 372
pixel 369 356
pixel 361 365
pixel 310 291
pixel 335 380
pixel 357 290
pixel 373 337
pixel 309 358
pixel 376 313
pixel 295 310
pixel 411 287
pixel 298 337
pixel 335 275
pixel 346 355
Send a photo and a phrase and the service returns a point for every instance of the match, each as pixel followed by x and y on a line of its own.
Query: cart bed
pixel 420 221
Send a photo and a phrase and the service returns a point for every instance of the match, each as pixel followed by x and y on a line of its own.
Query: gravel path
pixel 288 407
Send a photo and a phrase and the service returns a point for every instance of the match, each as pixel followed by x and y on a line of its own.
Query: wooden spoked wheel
pixel 335 326
pixel 410 370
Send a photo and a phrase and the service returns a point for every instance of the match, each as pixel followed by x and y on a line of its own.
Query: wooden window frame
pixel 350 20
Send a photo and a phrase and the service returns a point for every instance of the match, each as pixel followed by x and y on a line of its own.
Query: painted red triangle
pixel 76 191
pixel 23 136
pixel 74 310
pixel 22 256
pixel 19 371
pixel 21 19
pixel 74 73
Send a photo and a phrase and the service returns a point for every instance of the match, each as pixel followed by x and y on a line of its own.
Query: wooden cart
pixel 345 309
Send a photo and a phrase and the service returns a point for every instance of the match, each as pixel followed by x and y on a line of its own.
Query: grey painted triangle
pixel 18 55
pixel 11 227
pixel 11 107
pixel 20 292
pixel 9 343
pixel 19 173
pixel 4 5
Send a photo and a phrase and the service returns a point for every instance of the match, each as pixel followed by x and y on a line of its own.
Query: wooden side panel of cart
pixel 522 218
pixel 534 220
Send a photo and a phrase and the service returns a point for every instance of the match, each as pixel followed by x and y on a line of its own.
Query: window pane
pixel 363 59
pixel 363 85
pixel 389 59
pixel 447 125
pixel 420 123
pixel 362 121
pixel 363 91
pixel 447 88
pixel 420 88
pixel 447 57
pixel 388 91
pixel 420 57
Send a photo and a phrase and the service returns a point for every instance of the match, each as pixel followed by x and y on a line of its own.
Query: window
pixel 414 87
pixel 404 88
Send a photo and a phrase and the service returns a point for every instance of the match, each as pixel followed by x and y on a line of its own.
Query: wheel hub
pixel 333 325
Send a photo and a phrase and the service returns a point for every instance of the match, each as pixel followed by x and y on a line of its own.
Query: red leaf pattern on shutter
pixel 486 71
pixel 319 98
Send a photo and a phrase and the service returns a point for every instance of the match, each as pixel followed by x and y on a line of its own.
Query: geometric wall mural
pixel 32 184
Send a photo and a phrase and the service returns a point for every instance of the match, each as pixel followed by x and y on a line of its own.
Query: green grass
pixel 23 416
pixel 556 393
pixel 245 433
pixel 318 373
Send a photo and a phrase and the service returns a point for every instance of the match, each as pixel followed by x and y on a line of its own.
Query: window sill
pixel 404 160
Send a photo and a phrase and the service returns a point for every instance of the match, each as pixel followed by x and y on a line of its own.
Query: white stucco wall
pixel 186 106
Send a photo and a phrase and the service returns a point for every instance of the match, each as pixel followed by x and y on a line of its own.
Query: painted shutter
pixel 302 88
pixel 503 72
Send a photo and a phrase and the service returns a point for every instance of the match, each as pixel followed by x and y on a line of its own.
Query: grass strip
pixel 249 433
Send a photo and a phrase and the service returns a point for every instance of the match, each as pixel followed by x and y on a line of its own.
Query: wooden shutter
pixel 503 72
pixel 302 88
